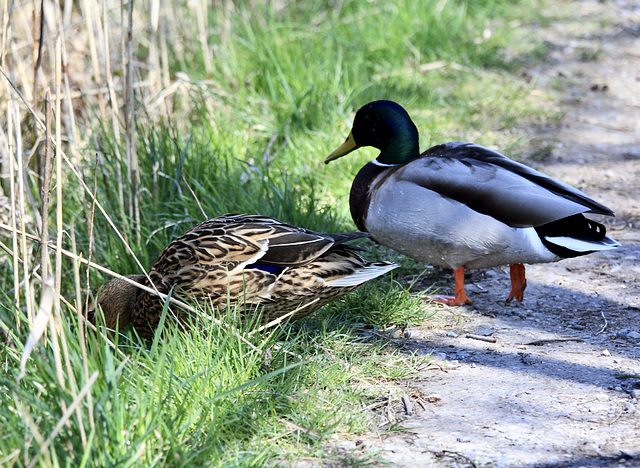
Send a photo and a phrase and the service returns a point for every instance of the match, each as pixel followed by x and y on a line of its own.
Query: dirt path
pixel 560 403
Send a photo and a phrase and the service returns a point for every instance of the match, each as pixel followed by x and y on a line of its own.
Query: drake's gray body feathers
pixel 462 205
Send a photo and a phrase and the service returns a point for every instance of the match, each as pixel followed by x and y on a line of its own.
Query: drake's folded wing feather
pixel 491 190
pixel 470 153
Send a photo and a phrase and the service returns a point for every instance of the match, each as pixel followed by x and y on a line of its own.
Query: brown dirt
pixel 559 403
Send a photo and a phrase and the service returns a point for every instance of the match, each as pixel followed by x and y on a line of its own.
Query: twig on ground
pixel 488 339
pixel 421 403
pixel 449 453
pixel 407 405
pixel 553 340
pixel 604 327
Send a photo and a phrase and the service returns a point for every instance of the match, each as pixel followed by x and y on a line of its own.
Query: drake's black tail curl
pixel 597 231
pixel 576 227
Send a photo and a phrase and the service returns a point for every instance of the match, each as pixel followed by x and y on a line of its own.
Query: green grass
pixel 250 136
pixel 204 397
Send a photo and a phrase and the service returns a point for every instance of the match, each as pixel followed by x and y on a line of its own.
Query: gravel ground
pixel 557 384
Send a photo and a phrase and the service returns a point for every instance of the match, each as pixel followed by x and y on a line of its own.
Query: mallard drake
pixel 250 260
pixel 461 205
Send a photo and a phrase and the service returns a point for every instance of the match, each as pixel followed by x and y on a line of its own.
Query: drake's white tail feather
pixel 580 245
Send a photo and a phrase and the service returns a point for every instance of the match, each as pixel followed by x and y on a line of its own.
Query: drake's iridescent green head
pixel 384 125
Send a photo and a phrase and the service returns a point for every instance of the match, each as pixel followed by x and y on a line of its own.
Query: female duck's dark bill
pixel 345 148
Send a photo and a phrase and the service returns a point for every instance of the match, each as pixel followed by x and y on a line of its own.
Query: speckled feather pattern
pixel 218 262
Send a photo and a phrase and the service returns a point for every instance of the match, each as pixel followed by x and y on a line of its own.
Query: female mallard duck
pixel 244 259
pixel 461 205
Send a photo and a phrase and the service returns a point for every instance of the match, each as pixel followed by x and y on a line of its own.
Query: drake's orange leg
pixel 518 282
pixel 460 298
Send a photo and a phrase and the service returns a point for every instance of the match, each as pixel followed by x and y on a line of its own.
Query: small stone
pixel 605 353
pixel 635 393
pixel 452 334
pixel 633 335
pixel 347 445
pixel 412 334
pixel 622 333
pixel 484 331
pixel 464 440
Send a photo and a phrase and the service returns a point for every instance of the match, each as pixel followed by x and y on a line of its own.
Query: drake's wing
pixel 494 185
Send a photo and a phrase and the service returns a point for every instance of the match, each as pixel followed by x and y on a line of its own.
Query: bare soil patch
pixel 560 386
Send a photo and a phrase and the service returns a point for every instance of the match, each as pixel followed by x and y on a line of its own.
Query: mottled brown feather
pixel 215 262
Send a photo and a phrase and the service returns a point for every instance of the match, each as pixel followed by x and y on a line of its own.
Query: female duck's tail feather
pixel 363 275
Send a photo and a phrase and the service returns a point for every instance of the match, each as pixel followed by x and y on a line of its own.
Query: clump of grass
pixel 587 54
pixel 389 306
pixel 202 396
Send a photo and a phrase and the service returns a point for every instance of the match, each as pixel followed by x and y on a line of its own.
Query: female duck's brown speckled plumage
pixel 250 260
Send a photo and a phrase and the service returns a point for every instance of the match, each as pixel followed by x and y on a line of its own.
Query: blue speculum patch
pixel 273 269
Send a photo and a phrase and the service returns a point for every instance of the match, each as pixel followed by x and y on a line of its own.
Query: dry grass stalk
pixel 59 180
pixel 45 178
pixel 81 323
pixel 132 157
pixel 90 231
pixel 47 292
pixel 59 233
pixel 14 231
pixel 22 210
pixel 201 15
